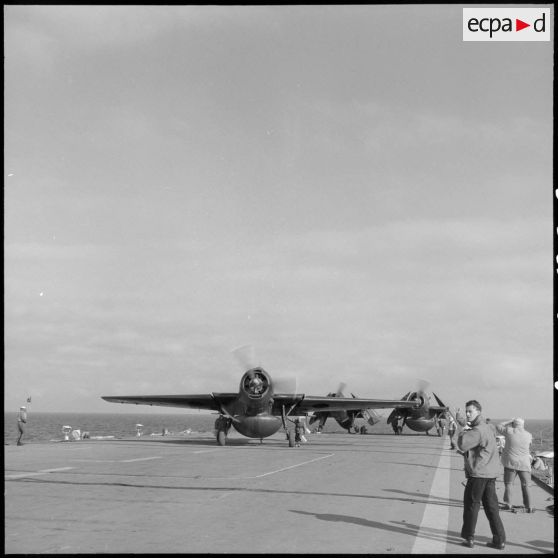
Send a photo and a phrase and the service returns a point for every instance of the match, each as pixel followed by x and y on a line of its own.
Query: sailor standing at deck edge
pixel 21 422
pixel 482 465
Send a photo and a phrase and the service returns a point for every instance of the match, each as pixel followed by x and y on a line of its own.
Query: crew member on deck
pixel 516 459
pixel 21 422
pixel 482 466
pixel 451 432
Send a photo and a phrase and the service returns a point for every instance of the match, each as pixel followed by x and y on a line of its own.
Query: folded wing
pixel 440 407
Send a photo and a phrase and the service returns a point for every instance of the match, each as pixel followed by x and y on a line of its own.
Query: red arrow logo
pixel 519 25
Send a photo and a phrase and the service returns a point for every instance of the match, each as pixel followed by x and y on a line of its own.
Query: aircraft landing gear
pixel 222 426
pixel 397 427
pixel 291 438
pixel 221 437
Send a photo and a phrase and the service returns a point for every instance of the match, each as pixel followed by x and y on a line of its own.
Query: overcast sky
pixel 353 190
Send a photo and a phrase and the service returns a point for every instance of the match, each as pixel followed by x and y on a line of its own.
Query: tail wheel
pixel 290 437
pixel 221 437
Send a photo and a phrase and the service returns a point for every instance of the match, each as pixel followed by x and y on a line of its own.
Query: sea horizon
pixel 161 411
pixel 47 426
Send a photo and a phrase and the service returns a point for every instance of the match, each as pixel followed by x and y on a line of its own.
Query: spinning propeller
pixel 421 385
pixel 339 392
pixel 246 357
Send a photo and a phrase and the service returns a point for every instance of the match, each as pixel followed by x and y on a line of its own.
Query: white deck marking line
pixel 206 451
pixel 35 473
pixel 95 460
pixel 291 466
pixel 117 460
pixel 436 515
pixel 140 459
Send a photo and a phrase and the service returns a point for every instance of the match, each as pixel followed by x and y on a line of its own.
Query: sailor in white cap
pixel 21 421
pixel 516 459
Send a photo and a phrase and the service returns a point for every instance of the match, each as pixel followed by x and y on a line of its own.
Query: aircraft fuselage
pixel 259 426
pixel 251 413
pixel 420 424
pixel 344 419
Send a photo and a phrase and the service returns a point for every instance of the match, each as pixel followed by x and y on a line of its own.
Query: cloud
pixel 72 30
pixel 84 27
pixel 189 179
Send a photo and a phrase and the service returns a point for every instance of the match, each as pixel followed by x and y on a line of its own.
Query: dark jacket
pixel 482 459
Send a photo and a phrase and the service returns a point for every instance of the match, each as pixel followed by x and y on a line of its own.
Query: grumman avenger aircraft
pixel 423 417
pixel 345 419
pixel 260 407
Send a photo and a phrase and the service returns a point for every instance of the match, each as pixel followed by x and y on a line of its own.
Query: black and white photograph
pixel 278 279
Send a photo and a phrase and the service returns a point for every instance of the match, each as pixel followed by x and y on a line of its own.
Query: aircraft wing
pixel 438 409
pixel 441 408
pixel 295 403
pixel 210 401
pixel 308 403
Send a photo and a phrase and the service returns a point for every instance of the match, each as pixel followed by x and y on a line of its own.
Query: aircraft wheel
pixel 221 437
pixel 399 429
pixel 290 436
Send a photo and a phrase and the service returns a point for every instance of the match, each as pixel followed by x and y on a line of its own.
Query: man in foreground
pixel 482 465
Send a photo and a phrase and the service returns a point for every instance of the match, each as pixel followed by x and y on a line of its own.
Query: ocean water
pixel 47 427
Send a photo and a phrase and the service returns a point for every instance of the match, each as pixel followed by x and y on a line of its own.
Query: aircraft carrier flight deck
pixel 338 493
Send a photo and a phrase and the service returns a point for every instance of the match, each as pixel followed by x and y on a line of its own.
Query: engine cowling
pixel 422 405
pixel 255 383
pixel 256 392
